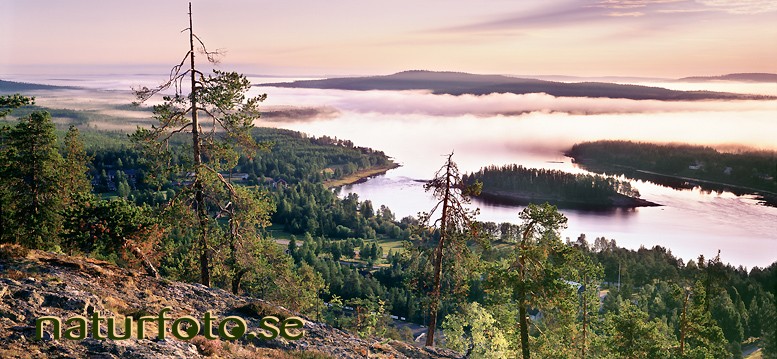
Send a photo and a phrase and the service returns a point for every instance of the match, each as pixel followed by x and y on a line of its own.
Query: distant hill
pixel 457 83
pixel 13 87
pixel 745 77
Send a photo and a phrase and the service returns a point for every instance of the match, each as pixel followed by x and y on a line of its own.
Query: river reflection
pixel 689 222
pixel 418 129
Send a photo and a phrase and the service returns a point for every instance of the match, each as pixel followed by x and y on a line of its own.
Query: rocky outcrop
pixel 35 284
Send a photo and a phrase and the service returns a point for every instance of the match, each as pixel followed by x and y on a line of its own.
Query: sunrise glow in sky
pixel 664 38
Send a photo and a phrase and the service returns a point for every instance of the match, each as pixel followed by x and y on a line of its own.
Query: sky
pixel 656 38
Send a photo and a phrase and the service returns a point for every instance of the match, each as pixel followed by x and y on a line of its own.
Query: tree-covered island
pixel 515 184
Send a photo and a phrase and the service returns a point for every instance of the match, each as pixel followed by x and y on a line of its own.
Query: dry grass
pixel 9 251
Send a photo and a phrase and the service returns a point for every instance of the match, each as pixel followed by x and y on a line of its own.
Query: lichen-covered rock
pixel 38 284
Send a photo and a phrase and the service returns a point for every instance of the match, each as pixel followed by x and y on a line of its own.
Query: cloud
pixel 741 7
pixel 630 4
pixel 296 114
pixel 627 14
pixel 656 13
pixel 564 13
pixel 328 102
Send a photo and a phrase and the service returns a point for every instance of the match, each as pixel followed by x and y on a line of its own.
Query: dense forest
pixel 499 289
pixel 293 157
pixel 681 165
pixel 519 185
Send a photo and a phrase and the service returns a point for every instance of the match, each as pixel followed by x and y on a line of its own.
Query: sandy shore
pixel 361 175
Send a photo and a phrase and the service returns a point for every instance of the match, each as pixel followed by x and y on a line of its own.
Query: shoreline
pixel 765 197
pixel 360 175
pixel 512 199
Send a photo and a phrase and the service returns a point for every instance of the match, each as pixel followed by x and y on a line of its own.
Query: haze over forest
pixel 501 179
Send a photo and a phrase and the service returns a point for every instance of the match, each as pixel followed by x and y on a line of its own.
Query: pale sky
pixel 663 38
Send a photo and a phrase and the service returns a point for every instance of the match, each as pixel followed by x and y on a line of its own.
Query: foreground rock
pixel 34 284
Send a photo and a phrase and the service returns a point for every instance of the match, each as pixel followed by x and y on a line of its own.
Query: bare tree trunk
pixel 435 297
pixel 684 323
pixel 585 312
pixel 236 280
pixel 199 198
pixel 523 321
pixel 523 324
pixel 150 270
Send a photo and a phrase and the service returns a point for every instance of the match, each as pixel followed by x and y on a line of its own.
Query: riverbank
pixel 684 166
pixel 361 175
pixel 764 197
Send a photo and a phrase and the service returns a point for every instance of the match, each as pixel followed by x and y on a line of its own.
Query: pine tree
pixel 531 274
pixel 6 199
pixel 455 225
pixel 7 104
pixel 35 181
pixel 699 335
pixel 75 181
pixel 769 329
pixel 633 335
pixel 219 118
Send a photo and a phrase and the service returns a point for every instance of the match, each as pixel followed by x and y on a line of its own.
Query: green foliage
pixel 10 102
pixel 107 228
pixel 769 330
pixel 633 335
pixel 702 336
pixel 74 179
pixel 725 313
pixel 31 176
pixel 370 317
pixel 531 273
pixel 517 183
pixel 753 169
pixel 474 331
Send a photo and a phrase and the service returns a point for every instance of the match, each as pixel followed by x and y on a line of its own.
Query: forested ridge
pixel 293 157
pixel 683 165
pixel 70 192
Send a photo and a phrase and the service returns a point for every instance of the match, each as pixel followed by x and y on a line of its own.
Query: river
pixel 419 133
pixel 418 129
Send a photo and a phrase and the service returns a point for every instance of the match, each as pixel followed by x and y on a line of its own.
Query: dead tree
pixel 455 219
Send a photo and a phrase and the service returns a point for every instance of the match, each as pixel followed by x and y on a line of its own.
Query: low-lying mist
pixel 535 121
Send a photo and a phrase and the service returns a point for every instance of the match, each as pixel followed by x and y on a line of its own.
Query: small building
pixel 239 176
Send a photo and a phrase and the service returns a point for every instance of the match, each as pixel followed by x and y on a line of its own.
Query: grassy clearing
pixel 395 245
pixel 277 232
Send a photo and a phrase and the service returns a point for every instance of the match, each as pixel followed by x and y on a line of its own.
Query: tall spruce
pixel 35 181
pixel 75 175
pixel 219 117
pixel 7 104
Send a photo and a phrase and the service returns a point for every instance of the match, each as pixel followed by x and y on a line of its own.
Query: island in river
pixel 684 166
pixel 518 185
